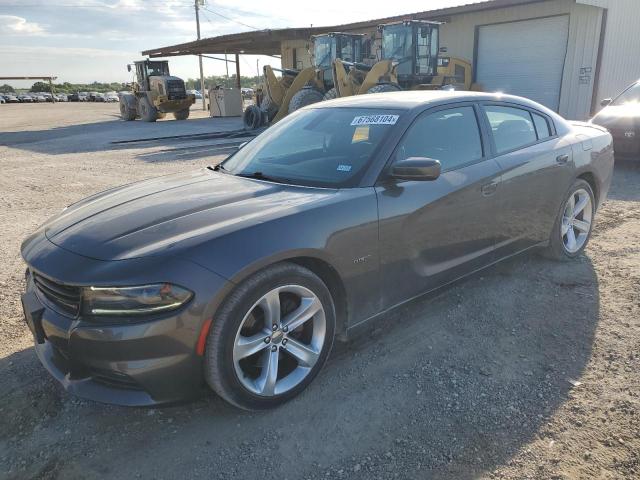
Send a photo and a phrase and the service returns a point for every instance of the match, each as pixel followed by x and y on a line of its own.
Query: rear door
pixel 432 232
pixel 536 167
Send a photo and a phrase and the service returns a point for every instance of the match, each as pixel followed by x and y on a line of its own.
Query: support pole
pixel 204 103
pixel 53 94
pixel 238 71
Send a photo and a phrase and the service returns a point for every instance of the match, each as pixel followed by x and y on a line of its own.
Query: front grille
pixel 176 90
pixel 64 299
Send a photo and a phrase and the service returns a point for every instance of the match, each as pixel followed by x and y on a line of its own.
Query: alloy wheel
pixel 576 220
pixel 279 340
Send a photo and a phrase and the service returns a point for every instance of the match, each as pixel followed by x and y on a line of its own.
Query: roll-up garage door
pixel 524 58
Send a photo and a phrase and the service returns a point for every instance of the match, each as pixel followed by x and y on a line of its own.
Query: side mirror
pixel 128 68
pixel 606 102
pixel 416 168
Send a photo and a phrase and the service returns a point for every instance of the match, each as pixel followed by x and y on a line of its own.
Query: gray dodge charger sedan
pixel 239 277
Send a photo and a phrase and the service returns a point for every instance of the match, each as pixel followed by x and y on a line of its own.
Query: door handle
pixel 562 159
pixel 489 188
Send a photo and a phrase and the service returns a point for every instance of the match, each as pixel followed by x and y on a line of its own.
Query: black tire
pixel 556 249
pixel 252 117
pixel 181 114
pixel 331 94
pixel 126 112
pixel 148 112
pixel 306 96
pixel 384 87
pixel 219 370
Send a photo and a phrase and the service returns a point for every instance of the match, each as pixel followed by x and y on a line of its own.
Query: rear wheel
pixel 270 338
pixel 181 114
pixel 572 229
pixel 384 87
pixel 306 96
pixel 148 112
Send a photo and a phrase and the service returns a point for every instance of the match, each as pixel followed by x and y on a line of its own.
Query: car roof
pixel 409 100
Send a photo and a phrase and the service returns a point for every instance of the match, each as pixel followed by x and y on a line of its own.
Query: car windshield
pixel 322 147
pixel 630 95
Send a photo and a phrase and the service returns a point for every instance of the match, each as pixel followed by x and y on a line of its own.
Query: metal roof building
pixel 566 54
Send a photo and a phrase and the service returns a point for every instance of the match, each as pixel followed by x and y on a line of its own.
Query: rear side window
pixel 542 126
pixel 512 128
pixel 450 136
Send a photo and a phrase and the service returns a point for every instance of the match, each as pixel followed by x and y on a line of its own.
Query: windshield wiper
pixel 261 176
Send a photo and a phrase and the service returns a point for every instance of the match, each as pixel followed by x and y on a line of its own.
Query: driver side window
pixel 451 136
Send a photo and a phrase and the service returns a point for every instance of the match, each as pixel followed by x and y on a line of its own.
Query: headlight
pixel 138 300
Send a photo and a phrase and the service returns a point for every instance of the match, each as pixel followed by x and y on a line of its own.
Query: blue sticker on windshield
pixel 344 168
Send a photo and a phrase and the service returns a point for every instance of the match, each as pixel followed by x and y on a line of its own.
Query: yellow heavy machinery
pixel 410 61
pixel 296 88
pixel 155 93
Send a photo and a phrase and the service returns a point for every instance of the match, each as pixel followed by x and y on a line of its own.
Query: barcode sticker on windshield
pixel 375 120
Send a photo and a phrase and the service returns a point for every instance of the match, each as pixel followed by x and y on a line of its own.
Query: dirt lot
pixel 528 370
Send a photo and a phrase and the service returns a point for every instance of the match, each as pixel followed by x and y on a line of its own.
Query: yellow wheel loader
pixel 410 61
pixel 295 89
pixel 155 93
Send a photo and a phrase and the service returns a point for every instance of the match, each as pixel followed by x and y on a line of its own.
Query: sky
pixel 81 41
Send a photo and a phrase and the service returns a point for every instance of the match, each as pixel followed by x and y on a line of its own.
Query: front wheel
pixel 148 112
pixel 572 229
pixel 270 338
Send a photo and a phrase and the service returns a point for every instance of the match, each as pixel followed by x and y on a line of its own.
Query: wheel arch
pixel 591 180
pixel 332 279
pixel 316 263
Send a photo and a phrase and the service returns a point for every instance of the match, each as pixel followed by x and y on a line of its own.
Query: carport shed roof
pixel 267 42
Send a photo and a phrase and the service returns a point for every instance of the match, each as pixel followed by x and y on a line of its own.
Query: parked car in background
pixel 111 97
pixel 99 97
pixel 84 96
pixel 247 93
pixel 2 100
pixel 38 97
pixel 92 96
pixel 11 98
pixel 621 116
pixel 61 97
pixel 48 97
pixel 197 94
pixel 143 293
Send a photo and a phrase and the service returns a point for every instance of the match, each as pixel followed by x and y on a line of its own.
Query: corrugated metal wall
pixel 621 50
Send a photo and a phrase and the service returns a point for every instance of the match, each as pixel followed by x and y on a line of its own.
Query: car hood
pixel 167 213
pixel 617 115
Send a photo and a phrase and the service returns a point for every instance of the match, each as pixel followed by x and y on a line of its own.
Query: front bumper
pixel 152 361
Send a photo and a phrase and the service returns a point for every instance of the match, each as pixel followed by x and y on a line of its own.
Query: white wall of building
pixel 620 63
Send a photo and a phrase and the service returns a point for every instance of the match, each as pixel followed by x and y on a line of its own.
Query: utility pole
pixel 197 5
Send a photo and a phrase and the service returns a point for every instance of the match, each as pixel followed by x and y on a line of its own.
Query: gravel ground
pixel 527 370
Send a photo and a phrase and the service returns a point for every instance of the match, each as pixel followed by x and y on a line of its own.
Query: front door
pixel 432 232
